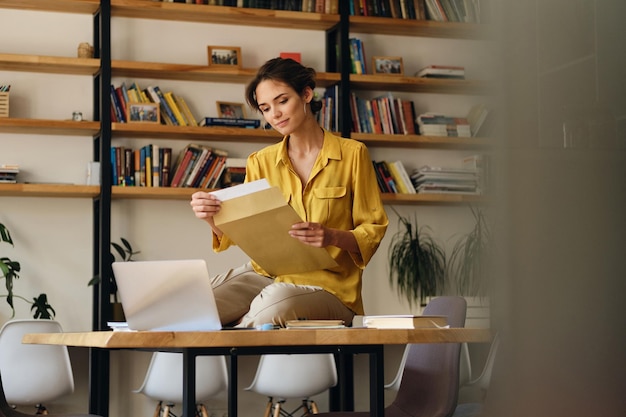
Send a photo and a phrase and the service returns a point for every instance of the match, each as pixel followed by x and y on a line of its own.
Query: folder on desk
pixel 257 218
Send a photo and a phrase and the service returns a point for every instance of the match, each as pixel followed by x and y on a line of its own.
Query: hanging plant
pixel 417 262
pixel 469 258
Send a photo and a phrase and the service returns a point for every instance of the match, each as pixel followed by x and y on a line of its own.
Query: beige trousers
pixel 248 299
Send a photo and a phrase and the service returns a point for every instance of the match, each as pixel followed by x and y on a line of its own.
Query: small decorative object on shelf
pixel 77 116
pixel 230 110
pixel 85 50
pixel 388 65
pixel 143 113
pixel 296 56
pixel 224 56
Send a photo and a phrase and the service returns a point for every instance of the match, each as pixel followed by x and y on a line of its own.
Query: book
pixel 404 321
pixel 315 324
pixel 231 122
pixel 442 71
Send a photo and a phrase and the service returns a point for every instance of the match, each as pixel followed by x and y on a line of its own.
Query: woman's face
pixel 280 105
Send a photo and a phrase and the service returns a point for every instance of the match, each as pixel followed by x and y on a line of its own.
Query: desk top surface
pixel 259 338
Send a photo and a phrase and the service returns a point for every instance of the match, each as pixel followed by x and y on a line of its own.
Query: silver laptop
pixel 171 295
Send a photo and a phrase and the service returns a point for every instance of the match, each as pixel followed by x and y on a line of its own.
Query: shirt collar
pixel 330 150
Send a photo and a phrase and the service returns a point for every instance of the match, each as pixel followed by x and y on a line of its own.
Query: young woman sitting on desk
pixel 330 182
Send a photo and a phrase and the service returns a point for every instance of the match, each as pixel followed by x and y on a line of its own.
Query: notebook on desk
pixel 170 295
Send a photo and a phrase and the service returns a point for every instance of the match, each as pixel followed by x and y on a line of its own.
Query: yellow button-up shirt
pixel 341 193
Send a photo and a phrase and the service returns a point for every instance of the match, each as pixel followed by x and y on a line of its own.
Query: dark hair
pixel 285 70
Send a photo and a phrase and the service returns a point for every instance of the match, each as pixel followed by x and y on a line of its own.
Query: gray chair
pixel 430 381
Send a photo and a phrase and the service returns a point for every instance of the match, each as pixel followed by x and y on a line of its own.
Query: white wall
pixel 53 236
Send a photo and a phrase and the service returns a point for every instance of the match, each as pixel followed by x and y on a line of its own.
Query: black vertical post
pixel 100 358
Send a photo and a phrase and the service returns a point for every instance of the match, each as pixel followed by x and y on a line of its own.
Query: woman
pixel 330 183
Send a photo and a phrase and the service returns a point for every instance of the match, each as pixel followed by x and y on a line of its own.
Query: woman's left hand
pixel 313 234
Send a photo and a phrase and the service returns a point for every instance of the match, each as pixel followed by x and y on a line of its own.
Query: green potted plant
pixel 125 253
pixel 417 262
pixel 468 263
pixel 10 272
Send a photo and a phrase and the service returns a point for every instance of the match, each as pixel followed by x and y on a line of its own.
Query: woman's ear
pixel 308 94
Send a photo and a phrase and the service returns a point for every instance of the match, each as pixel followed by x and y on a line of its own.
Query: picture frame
pixel 389 65
pixel 224 56
pixel 143 113
pixel 230 110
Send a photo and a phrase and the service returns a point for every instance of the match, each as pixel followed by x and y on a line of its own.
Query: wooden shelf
pixel 49 64
pixel 280 19
pixel 184 72
pixel 419 141
pixel 422 28
pixel 49 190
pixel 197 133
pixel 168 193
pixel 49 127
pixel 65 6
pixel 388 82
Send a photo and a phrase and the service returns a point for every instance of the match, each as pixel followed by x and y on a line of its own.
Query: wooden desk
pixel 255 342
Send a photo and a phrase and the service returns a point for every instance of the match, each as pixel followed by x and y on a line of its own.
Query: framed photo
pixel 388 65
pixel 230 110
pixel 142 113
pixel 224 56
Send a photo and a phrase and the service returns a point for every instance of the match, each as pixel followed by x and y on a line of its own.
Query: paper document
pixel 258 219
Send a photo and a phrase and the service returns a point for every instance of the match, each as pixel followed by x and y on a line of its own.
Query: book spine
pixel 175 110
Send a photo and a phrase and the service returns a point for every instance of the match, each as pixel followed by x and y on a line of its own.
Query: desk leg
pixel 189 383
pixel 341 396
pixel 377 375
pixel 232 386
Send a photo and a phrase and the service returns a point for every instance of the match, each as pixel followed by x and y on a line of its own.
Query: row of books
pixel 465 11
pixel 392 177
pixel 383 114
pixel 173 109
pixel 442 180
pixel 328 116
pixel 312 6
pixel 434 124
pixel 8 173
pixel 196 166
pixel 357 57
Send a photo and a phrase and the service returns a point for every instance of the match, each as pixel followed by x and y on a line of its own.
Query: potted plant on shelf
pixel 10 272
pixel 468 264
pixel 125 253
pixel 417 261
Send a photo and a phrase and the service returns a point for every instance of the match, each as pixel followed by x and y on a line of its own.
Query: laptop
pixel 167 295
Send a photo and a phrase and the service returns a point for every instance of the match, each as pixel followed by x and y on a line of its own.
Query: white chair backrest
pixel 33 374
pixel 294 376
pixel 163 381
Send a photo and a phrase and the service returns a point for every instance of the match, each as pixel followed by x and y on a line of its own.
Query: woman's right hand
pixel 205 206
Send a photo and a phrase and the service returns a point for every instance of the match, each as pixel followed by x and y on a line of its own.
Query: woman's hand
pixel 205 206
pixel 313 234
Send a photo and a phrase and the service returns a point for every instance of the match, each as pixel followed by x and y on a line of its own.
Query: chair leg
pixel 41 410
pixel 314 407
pixel 157 410
pixel 203 411
pixel 166 410
pixel 277 410
pixel 268 408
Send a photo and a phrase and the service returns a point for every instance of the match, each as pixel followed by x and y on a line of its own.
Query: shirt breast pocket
pixel 332 205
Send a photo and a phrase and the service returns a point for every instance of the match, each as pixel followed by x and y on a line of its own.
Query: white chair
pixel 293 376
pixel 33 375
pixel 163 381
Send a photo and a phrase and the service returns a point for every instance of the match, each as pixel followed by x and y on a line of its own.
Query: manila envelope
pixel 259 223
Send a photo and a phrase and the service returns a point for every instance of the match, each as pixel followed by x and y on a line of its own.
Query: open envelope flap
pixel 259 223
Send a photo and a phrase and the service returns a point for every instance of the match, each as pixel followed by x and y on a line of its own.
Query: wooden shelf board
pixel 65 6
pixel 423 28
pixel 280 19
pixel 49 190
pixel 389 82
pixel 431 199
pixel 152 193
pixel 197 72
pixel 49 64
pixel 419 141
pixel 200 133
pixel 49 127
